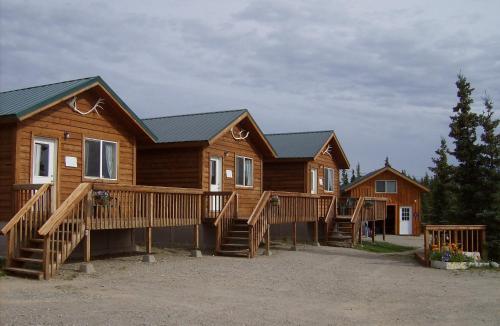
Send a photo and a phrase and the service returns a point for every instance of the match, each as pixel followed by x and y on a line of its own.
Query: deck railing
pixel 330 216
pixel 470 238
pixel 346 206
pixel 367 209
pixel 214 202
pixel 22 192
pixel 103 206
pixel 225 219
pixel 324 205
pixel 258 223
pixel 33 214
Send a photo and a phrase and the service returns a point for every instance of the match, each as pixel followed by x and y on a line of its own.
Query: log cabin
pixel 307 162
pixel 403 196
pixel 68 167
pixel 218 152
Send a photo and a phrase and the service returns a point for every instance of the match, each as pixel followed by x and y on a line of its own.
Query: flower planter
pixel 449 265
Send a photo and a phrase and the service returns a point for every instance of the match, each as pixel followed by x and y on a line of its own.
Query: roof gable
pixel 305 145
pixel 204 127
pixel 373 174
pixel 23 103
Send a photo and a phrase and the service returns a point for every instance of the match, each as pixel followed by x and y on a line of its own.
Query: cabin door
pixel 215 181
pixel 314 181
pixel 44 161
pixel 405 220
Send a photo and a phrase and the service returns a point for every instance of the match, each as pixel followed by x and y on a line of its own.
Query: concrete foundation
pixel 148 259
pixel 86 268
pixel 196 253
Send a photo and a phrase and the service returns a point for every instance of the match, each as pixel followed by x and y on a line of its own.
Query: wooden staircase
pixel 340 235
pixel 235 243
pixel 28 262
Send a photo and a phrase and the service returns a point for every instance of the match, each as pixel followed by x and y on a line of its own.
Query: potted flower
pixel 450 256
pixel 101 198
pixel 275 200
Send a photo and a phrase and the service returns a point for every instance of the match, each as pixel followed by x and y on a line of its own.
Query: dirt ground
pixel 313 286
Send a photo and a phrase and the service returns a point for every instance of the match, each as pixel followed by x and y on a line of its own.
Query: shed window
pixel 328 179
pixel 386 186
pixel 100 159
pixel 244 171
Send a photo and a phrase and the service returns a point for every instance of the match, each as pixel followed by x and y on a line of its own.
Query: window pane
pixel 239 171
pixel 41 160
pixel 248 172
pixel 92 158
pixel 391 186
pixel 108 160
pixel 380 186
pixel 213 171
pixel 330 179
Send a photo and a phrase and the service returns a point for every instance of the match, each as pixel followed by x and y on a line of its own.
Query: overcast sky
pixel 380 73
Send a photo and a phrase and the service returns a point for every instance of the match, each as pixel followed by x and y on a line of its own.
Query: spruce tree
pixel 353 176
pixel 345 177
pixel 426 205
pixel 463 127
pixel 441 196
pixel 358 170
pixel 386 162
pixel 490 177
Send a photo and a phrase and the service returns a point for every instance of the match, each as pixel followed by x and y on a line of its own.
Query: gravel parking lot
pixel 313 286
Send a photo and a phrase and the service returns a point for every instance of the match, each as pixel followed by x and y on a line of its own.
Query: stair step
pixel 37 240
pixel 234 253
pixel 24 272
pixel 235 245
pixel 237 238
pixel 28 260
pixel 237 233
pixel 36 250
pixel 339 244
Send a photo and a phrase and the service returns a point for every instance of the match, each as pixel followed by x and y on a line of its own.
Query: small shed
pixel 404 197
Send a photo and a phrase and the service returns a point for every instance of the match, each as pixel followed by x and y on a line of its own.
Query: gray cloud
pixel 381 75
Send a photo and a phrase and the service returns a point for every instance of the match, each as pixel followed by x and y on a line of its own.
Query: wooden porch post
pixel 373 231
pixel 268 241
pixel 86 246
pixel 383 236
pixel 316 241
pixel 46 258
pixel 10 248
pixel 196 237
pixel 360 239
pixel 149 237
pixel 426 247
pixel 294 235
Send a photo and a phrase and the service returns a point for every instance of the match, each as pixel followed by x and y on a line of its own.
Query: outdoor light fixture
pixel 66 135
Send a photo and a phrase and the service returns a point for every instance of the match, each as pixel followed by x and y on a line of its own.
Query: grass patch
pixel 383 247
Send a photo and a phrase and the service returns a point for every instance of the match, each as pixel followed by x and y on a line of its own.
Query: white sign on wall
pixel 229 174
pixel 320 181
pixel 71 161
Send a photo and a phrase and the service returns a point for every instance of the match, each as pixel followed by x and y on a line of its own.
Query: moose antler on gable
pixel 72 103
pixel 243 134
pixel 328 150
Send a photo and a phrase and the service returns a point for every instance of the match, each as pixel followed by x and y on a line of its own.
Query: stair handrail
pixel 330 216
pixel 258 224
pixel 61 213
pixel 225 219
pixel 22 212
pixel 356 219
pixel 226 208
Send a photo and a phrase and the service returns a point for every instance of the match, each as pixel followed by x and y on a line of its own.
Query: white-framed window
pixel 386 186
pixel 100 159
pixel 244 171
pixel 329 179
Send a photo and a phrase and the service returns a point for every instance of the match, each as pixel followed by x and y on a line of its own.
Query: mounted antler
pixel 243 134
pixel 328 150
pixel 72 103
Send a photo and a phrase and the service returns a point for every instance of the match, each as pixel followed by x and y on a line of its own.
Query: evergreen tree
pixel 386 163
pixel 426 205
pixel 353 176
pixel 345 177
pixel 490 177
pixel 463 127
pixel 358 170
pixel 441 196
pixel 403 172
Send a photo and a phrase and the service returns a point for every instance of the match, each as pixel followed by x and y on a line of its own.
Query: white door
pixel 215 181
pixel 314 181
pixel 44 161
pixel 405 220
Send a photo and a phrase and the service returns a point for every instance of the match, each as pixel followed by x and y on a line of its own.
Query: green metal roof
pixel 299 144
pixel 191 127
pixel 20 102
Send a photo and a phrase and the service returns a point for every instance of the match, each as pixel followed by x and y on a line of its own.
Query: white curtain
pixel 38 156
pixel 109 162
pixel 248 172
